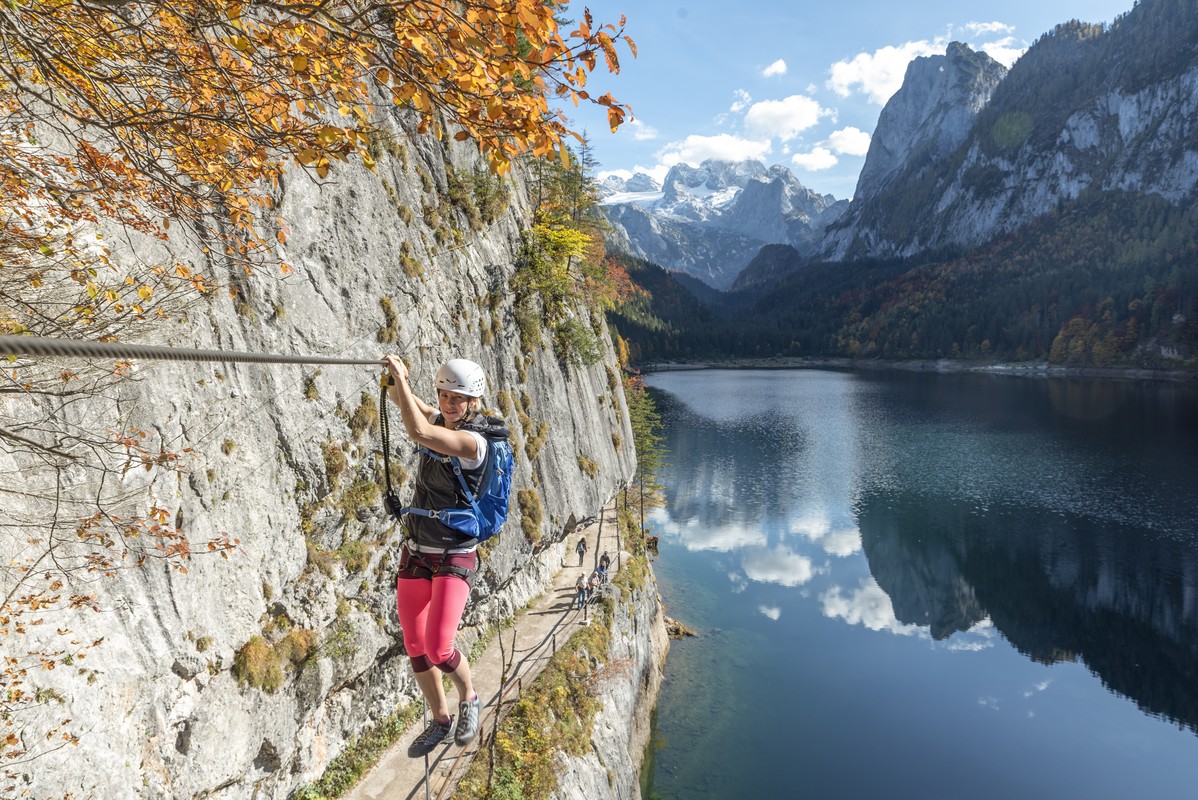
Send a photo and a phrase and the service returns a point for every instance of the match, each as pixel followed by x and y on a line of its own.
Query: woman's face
pixel 453 405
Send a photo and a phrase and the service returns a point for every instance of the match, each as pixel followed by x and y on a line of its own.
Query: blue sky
pixel 788 82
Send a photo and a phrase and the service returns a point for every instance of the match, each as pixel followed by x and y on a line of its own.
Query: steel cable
pixel 42 346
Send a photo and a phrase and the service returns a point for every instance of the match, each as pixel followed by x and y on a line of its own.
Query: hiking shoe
pixel 433 735
pixel 467 720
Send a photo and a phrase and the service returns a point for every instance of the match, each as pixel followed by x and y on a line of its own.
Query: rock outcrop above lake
pixel 286 459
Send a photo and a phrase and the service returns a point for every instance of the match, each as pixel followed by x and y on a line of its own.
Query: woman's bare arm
pixel 416 414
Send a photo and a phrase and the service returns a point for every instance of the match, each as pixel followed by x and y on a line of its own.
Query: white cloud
pixel 773 612
pixel 722 538
pixel 777 565
pixel 777 68
pixel 784 119
pixel 742 101
pixel 818 159
pixel 996 39
pixel 849 141
pixel 978 28
pixel 695 149
pixel 812 525
pixel 879 74
pixel 980 636
pixel 1005 51
pixel 642 132
pixel 867 605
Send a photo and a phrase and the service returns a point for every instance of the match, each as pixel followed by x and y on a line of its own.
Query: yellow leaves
pixel 615 117
pixel 328 136
pixel 228 98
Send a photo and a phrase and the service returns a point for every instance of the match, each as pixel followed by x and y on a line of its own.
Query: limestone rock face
pixel 285 458
pixel 965 155
pixel 640 182
pixel 639 645
pixel 930 114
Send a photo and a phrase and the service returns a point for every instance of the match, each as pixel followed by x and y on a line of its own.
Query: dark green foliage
pixel 1090 284
pixel 771 264
pixel 658 323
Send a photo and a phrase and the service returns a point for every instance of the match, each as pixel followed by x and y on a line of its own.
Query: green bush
pixel 255 665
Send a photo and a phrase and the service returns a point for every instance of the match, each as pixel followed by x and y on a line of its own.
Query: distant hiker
pixel 580 591
pixel 437 558
pixel 604 564
pixel 581 549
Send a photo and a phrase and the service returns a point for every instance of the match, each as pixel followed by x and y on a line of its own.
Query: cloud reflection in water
pixel 777 565
pixel 842 541
pixel 773 612
pixel 866 605
pixel 696 536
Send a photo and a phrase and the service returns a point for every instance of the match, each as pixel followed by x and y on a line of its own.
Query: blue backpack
pixel 489 508
pixel 494 489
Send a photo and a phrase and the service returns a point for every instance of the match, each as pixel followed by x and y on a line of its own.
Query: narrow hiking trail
pixel 528 645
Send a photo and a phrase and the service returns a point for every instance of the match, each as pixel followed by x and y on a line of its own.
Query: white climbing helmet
pixel 462 376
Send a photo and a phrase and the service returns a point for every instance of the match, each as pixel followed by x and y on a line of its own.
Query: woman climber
pixel 437 559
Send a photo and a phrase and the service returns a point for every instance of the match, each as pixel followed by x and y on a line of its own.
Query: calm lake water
pixel 927 586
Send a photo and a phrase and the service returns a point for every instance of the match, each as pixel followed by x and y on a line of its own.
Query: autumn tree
pixel 565 282
pixel 647 438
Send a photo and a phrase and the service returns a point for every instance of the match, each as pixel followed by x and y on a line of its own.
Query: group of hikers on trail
pixel 584 588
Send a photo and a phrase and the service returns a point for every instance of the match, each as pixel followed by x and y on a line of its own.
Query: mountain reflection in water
pixel 957 510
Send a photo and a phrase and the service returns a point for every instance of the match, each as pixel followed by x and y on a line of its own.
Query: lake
pixel 918 585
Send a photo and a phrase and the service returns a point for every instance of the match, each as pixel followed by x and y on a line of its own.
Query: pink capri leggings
pixel 429 612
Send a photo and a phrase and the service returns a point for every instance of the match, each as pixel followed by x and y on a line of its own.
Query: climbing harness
pixel 430 565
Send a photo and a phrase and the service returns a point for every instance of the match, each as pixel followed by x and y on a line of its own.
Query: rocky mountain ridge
pixel 1087 108
pixel 964 153
pixel 709 221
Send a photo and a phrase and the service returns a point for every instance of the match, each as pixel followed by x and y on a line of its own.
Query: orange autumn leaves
pixel 147 111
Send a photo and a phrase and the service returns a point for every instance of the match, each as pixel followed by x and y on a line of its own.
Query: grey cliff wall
pixel 157 707
pixel 635 665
